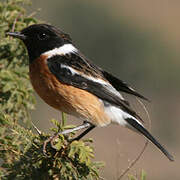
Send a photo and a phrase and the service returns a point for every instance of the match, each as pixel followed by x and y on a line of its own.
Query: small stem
pixel 38 131
pixel 63 115
pixel 15 21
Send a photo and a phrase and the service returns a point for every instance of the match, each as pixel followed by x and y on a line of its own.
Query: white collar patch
pixel 63 50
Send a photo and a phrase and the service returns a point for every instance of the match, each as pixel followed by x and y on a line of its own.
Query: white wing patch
pixel 63 50
pixel 97 80
pixel 73 71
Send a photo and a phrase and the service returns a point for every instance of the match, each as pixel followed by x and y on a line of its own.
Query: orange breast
pixel 66 98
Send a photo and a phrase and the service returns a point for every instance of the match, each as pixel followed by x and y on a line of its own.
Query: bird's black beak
pixel 17 35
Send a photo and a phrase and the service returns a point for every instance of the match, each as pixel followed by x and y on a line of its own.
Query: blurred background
pixel 138 41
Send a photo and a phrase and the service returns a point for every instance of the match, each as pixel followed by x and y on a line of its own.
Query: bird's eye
pixel 43 36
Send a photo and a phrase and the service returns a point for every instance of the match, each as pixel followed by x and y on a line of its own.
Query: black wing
pixel 75 71
pixel 120 85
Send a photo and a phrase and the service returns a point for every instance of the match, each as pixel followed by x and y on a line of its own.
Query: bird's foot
pixel 52 138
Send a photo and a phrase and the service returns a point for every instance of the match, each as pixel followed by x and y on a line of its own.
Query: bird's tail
pixel 142 130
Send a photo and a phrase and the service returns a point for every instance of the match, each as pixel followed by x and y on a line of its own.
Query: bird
pixel 69 82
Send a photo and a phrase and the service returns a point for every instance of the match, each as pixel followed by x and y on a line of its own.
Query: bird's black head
pixel 40 38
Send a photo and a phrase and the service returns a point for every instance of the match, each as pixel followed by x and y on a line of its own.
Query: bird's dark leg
pixel 84 133
pixel 51 139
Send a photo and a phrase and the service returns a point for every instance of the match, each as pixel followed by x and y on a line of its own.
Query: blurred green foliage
pixel 23 159
pixel 16 94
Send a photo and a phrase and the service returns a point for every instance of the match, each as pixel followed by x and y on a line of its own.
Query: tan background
pixel 139 42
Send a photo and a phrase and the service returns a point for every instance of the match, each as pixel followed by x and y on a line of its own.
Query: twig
pixel 146 111
pixel 38 131
pixel 133 162
pixel 15 21
pixel 14 24
pixel 34 13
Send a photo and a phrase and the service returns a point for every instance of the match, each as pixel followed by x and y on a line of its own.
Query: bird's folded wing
pixel 118 84
pixel 69 72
